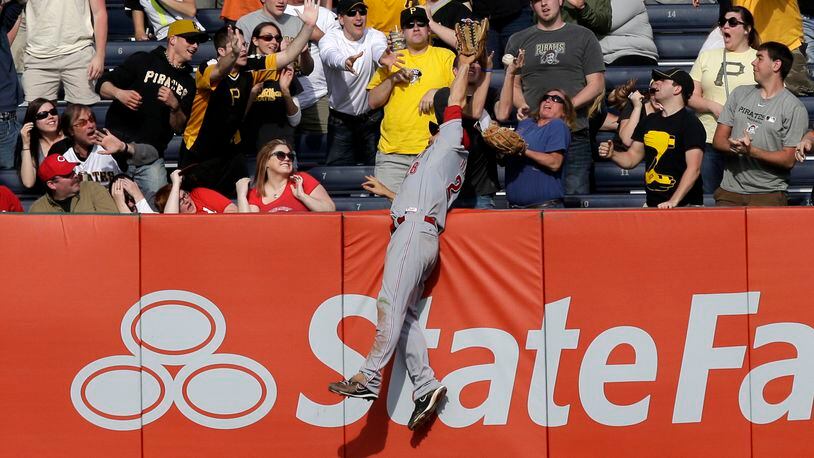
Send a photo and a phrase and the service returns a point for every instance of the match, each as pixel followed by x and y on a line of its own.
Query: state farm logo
pixel 173 328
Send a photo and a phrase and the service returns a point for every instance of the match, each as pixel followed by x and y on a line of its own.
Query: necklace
pixel 176 66
pixel 278 193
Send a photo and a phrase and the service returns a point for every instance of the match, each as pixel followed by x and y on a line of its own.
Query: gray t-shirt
pixel 289 25
pixel 435 178
pixel 772 124
pixel 558 59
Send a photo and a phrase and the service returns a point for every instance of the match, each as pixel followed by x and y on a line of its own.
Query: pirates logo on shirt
pixel 549 52
pixel 751 129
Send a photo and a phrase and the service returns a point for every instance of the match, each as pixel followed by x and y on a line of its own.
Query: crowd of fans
pixel 372 77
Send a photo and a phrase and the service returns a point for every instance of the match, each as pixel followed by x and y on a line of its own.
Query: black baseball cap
pixel 679 76
pixel 346 5
pixel 414 13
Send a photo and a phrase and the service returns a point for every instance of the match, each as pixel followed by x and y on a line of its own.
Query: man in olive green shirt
pixel 67 193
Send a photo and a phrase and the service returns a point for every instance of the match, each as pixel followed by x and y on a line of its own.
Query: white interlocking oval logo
pixel 173 328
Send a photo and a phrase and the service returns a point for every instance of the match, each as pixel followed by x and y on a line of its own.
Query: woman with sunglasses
pixel 274 109
pixel 716 73
pixel 278 187
pixel 40 131
pixel 534 179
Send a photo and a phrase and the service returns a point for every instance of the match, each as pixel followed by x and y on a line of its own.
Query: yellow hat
pixel 187 29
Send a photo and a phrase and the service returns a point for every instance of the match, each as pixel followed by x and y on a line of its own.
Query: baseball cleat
pixel 352 389
pixel 425 406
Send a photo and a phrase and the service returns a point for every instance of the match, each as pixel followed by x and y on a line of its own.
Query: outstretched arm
pixel 479 96
pixel 457 91
pixel 308 16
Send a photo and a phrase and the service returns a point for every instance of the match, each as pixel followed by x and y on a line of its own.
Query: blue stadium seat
pixel 682 18
pixel 119 24
pixel 210 19
pixel 342 179
pixel 346 204
pixel 802 175
pixel 312 148
pixel 679 46
pixel 605 201
pixel 609 177
pixel 173 153
pixel 10 179
pixel 118 51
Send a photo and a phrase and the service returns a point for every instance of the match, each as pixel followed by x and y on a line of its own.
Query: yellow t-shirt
pixel 776 20
pixel 404 130
pixel 708 70
pixel 383 15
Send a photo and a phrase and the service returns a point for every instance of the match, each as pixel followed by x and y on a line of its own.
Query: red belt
pixel 400 219
pixel 428 219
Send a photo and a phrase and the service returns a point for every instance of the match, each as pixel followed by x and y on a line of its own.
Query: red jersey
pixel 209 201
pixel 9 201
pixel 286 202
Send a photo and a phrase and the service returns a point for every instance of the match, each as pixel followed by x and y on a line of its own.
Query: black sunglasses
pixel 731 21
pixel 355 11
pixel 281 156
pixel 412 24
pixel 269 37
pixel 553 98
pixel 44 114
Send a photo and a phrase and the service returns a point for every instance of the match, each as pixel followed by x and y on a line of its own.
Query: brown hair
pixel 161 197
pixel 617 98
pixel 568 110
pixel 70 114
pixel 263 156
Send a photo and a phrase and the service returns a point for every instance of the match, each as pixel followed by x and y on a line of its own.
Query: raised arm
pixel 173 200
pixel 226 62
pixel 506 102
pixel 475 110
pixel 309 15
pixel 457 90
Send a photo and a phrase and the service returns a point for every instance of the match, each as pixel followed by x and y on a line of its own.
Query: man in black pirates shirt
pixel 670 141
pixel 211 139
pixel 152 96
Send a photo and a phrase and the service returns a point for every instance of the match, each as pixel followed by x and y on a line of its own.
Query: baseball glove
pixel 471 36
pixel 504 140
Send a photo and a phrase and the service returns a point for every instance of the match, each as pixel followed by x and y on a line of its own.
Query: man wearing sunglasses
pixel 671 142
pixel 66 192
pixel 11 94
pixel 152 95
pixel 406 92
pixel 351 56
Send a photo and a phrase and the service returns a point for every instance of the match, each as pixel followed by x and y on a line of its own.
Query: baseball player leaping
pixel 419 212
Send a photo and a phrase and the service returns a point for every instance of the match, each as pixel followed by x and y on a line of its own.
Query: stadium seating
pixel 682 18
pixel 357 203
pixel 341 179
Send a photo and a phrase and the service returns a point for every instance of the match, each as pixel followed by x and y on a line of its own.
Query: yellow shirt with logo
pixel 776 20
pixel 404 130
pixel 709 70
